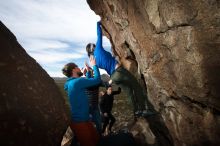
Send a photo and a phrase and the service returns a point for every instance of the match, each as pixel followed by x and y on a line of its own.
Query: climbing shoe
pixel 137 114
pixel 147 113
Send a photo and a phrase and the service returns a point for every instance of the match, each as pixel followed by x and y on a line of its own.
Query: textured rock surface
pixel 176 45
pixel 32 110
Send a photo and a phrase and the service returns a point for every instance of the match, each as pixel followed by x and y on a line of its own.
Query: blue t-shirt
pixel 76 90
pixel 104 59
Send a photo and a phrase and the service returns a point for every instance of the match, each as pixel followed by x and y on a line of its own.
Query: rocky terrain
pixel 32 109
pixel 173 47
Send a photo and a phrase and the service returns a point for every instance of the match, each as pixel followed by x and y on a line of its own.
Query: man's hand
pixel 110 82
pixel 86 66
pixel 84 70
pixel 92 60
pixel 99 23
pixel 105 114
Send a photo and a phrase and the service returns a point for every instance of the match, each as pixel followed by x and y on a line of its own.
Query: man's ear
pixel 72 71
pixel 87 50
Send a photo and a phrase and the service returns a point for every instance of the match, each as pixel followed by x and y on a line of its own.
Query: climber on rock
pixel 93 94
pixel 120 76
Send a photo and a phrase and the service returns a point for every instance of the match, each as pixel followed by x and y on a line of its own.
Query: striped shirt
pixel 93 95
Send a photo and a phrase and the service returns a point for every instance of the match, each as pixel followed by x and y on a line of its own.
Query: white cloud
pixel 52 31
pixel 39 44
pixel 106 42
pixel 55 74
pixel 70 20
pixel 59 74
pixel 48 57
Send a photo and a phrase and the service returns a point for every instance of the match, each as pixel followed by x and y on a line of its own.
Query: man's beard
pixel 79 74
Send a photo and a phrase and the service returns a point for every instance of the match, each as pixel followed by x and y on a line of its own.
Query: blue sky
pixel 53 32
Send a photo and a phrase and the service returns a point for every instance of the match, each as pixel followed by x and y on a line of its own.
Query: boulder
pixel 32 110
pixel 173 47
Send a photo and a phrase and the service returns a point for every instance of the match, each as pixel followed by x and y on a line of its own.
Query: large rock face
pixel 32 110
pixel 176 45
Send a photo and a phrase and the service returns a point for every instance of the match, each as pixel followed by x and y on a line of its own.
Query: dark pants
pixel 96 117
pixel 131 87
pixel 109 120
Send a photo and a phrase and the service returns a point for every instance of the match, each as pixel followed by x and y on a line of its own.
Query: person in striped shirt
pixel 93 95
